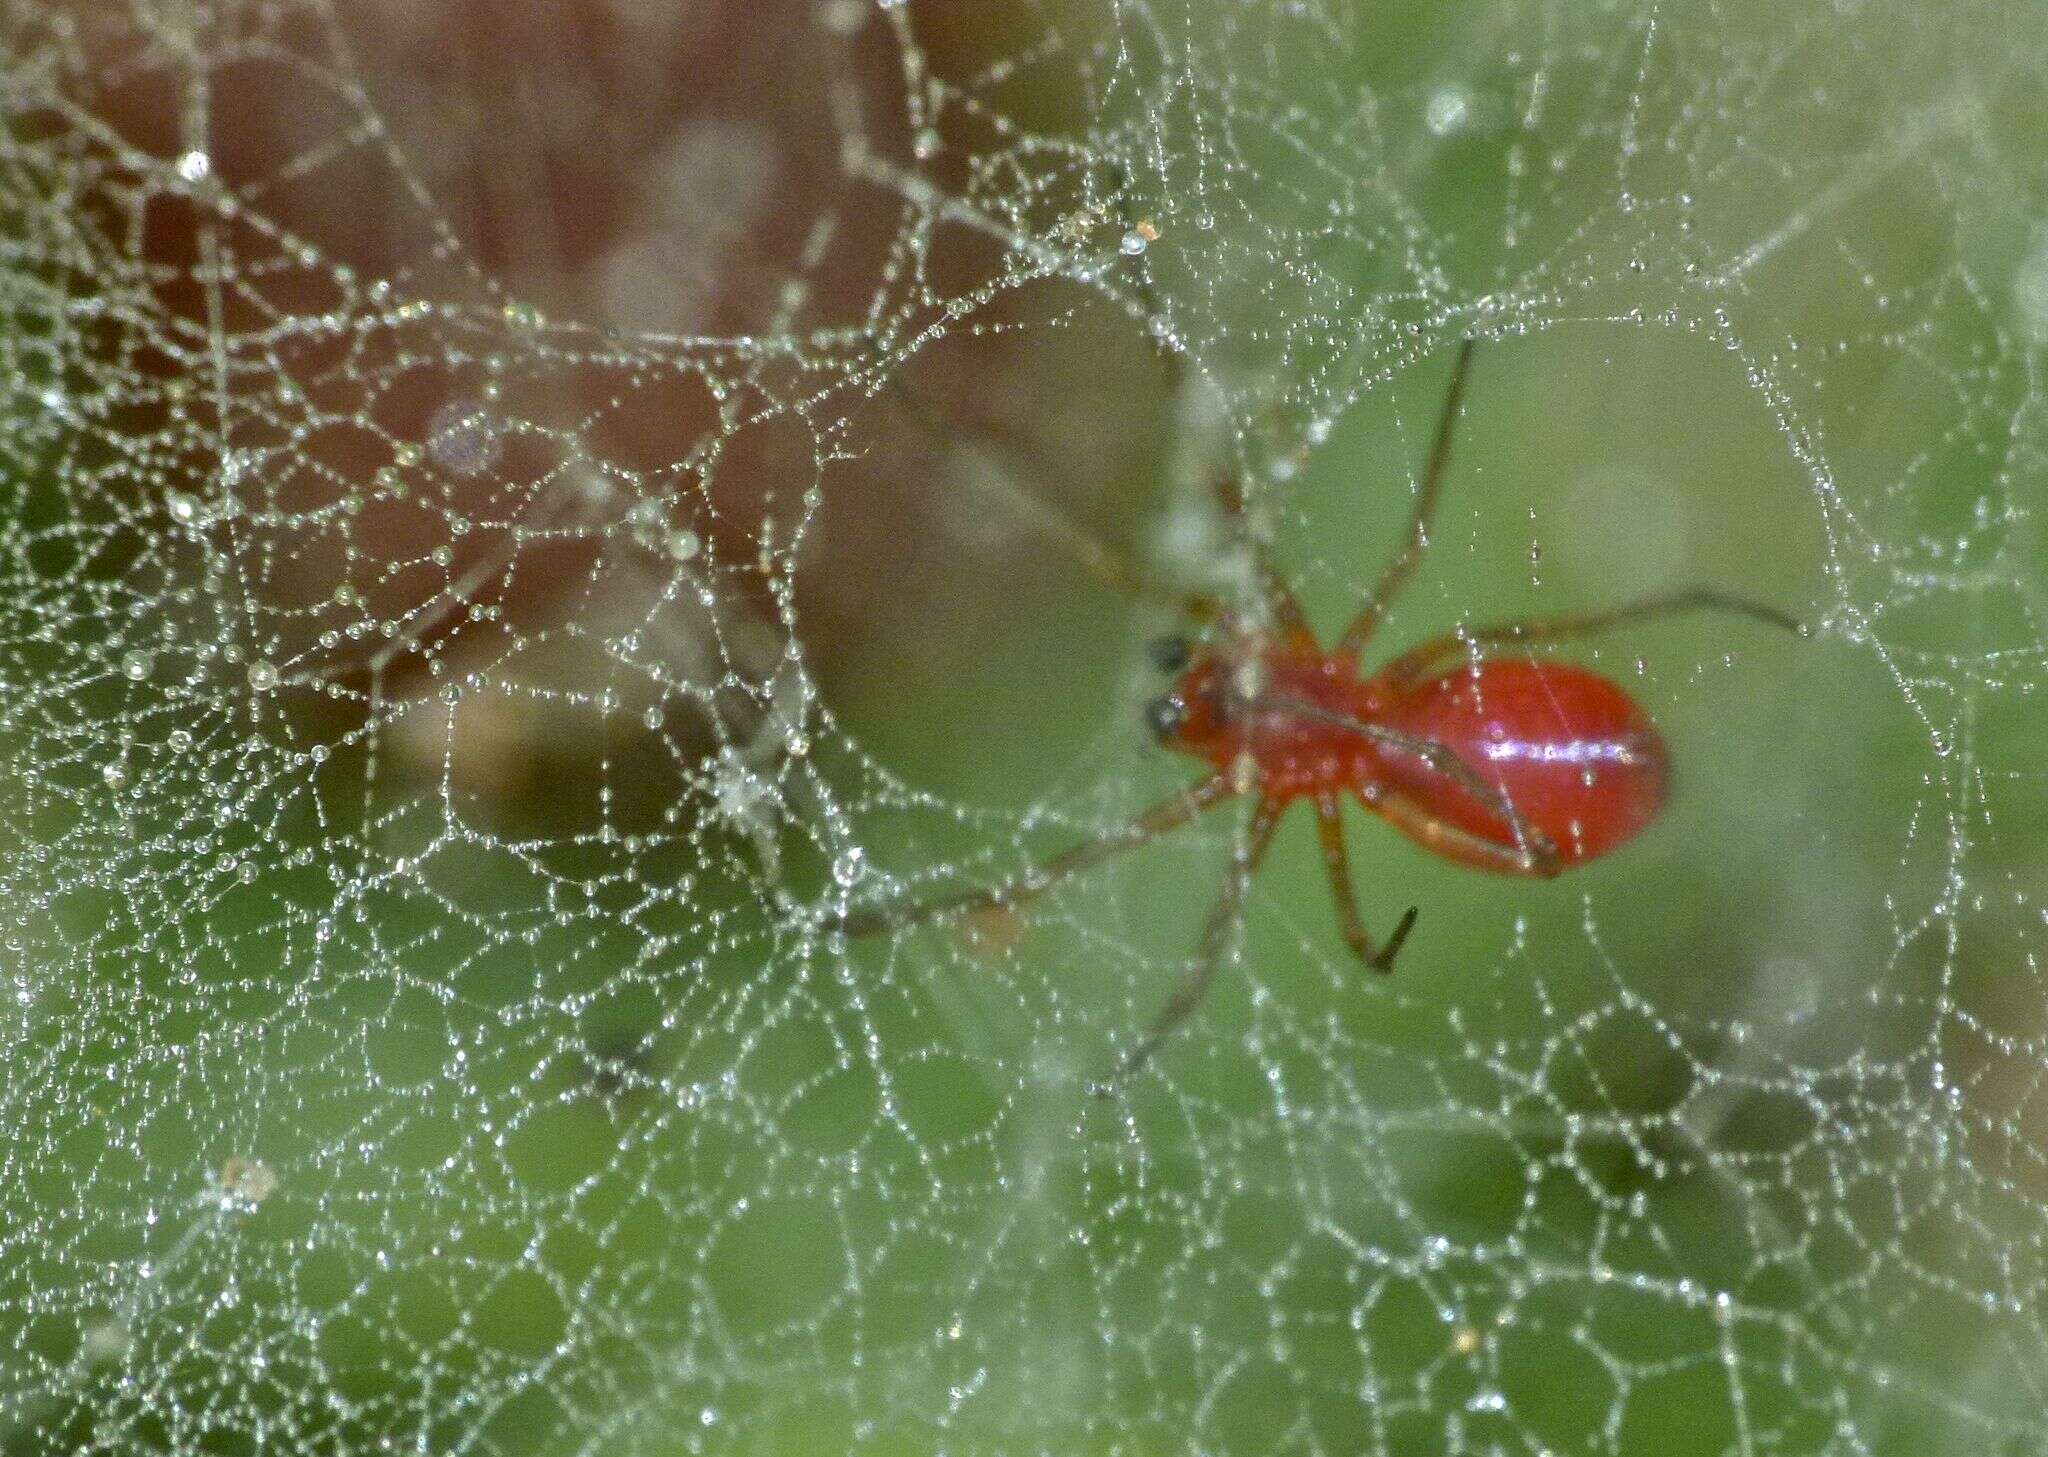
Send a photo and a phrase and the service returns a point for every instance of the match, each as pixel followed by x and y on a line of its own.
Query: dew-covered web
pixel 517 517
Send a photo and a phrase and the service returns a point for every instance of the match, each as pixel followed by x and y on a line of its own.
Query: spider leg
pixel 1168 814
pixel 1002 478
pixel 1208 958
pixel 1446 839
pixel 1402 567
pixel 1413 665
pixel 1275 596
pixel 1532 852
pixel 1005 483
pixel 1337 861
pixel 1533 849
pixel 1278 599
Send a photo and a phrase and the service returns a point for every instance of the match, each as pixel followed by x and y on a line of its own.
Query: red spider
pixel 1521 765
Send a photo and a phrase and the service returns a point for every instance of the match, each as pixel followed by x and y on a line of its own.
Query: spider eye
pixel 1164 716
pixel 1170 654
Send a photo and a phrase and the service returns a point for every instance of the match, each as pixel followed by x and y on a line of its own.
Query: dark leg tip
pixel 1385 960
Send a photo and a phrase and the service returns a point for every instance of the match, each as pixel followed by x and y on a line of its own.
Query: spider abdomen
pixel 1576 756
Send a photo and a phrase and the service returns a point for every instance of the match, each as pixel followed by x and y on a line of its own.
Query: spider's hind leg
pixel 1337 861
pixel 1428 656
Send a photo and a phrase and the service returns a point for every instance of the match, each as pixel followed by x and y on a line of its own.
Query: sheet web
pixel 494 501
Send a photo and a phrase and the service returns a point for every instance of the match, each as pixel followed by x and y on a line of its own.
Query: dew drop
pixel 842 17
pixel 850 867
pixel 103 1341
pixel 464 438
pixel 247 1181
pixel 1132 243
pixel 1448 109
pixel 236 465
pixel 262 675
pixel 2030 288
pixel 135 665
pixel 195 166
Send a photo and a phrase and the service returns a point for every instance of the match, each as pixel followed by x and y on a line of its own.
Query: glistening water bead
pixel 464 438
pixel 1447 111
pixel 2030 288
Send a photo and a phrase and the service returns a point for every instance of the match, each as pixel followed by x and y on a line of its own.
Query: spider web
pixel 515 517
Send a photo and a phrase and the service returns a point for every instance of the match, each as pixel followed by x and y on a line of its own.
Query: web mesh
pixel 518 518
